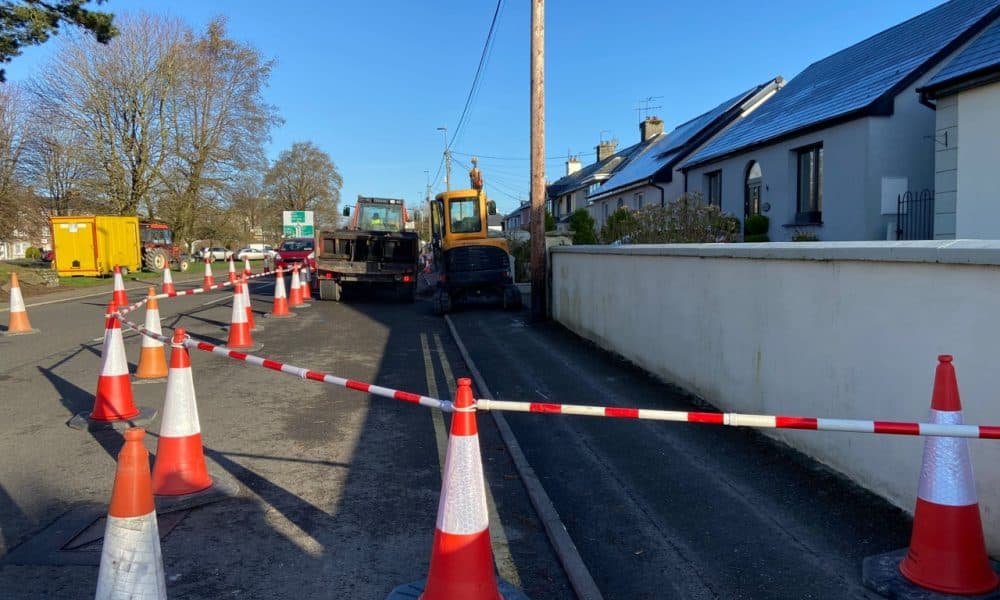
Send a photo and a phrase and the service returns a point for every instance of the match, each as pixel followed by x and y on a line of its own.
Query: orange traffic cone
pixel 18 323
pixel 239 327
pixel 461 557
pixel 232 270
pixel 131 562
pixel 280 307
pixel 295 294
pixel 113 401
pixel 247 269
pixel 947 551
pixel 180 459
pixel 168 281
pixel 248 305
pixel 121 298
pixel 208 281
pixel 306 283
pixel 152 357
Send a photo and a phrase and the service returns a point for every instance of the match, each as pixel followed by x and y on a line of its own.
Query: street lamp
pixel 447 160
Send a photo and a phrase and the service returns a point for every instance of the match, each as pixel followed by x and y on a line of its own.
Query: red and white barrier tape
pixel 201 290
pixel 744 420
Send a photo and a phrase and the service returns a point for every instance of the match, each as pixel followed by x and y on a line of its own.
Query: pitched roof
pixel 668 150
pixel 857 81
pixel 585 175
pixel 980 57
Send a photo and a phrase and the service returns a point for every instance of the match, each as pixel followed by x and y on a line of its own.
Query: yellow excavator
pixel 473 267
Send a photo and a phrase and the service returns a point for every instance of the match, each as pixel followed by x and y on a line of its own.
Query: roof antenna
pixel 645 106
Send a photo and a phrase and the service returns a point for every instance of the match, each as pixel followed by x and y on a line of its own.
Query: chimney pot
pixel 652 126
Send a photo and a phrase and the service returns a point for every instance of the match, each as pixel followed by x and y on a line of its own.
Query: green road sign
pixel 298 216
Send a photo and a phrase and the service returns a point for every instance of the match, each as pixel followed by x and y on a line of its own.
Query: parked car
pixel 296 251
pixel 255 253
pixel 213 254
pixel 48 255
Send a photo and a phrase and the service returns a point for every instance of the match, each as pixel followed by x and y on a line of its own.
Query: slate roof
pixel 671 148
pixel 857 81
pixel 980 57
pixel 590 173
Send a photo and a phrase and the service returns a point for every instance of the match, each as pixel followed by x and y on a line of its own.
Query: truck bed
pixel 367 255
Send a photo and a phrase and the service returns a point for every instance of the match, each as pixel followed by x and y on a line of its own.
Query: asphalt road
pixel 339 490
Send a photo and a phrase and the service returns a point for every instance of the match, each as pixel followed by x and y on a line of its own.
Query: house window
pixel 637 200
pixel 621 202
pixel 810 188
pixel 593 188
pixel 605 211
pixel 713 188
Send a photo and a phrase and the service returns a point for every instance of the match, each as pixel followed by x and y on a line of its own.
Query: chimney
pixel 572 165
pixel 606 149
pixel 650 127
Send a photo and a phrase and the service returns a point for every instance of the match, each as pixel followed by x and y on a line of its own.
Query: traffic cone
pixel 180 459
pixel 168 281
pixel 18 323
pixel 280 307
pixel 131 562
pixel 295 295
pixel 208 281
pixel 248 305
pixel 121 298
pixel 947 550
pixel 306 283
pixel 239 328
pixel 461 556
pixel 247 270
pixel 152 357
pixel 232 270
pixel 113 401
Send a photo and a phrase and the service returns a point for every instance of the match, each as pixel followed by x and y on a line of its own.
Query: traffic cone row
pixel 152 357
pixel 280 307
pixel 168 281
pixel 18 323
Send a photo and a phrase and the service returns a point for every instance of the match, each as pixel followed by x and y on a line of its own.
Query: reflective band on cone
pixel 246 303
pixel 121 298
pixel 280 306
pixel 113 401
pixel 239 328
pixel 461 557
pixel 947 551
pixel 152 356
pixel 168 281
pixel 18 322
pixel 295 294
pixel 180 459
pixel 208 281
pixel 131 561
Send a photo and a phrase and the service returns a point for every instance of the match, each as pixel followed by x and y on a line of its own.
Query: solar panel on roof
pixel 983 53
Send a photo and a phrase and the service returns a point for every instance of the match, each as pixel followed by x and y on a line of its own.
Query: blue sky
pixel 370 82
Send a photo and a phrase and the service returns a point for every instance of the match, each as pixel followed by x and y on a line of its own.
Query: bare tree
pixel 115 97
pixel 19 211
pixel 56 165
pixel 305 178
pixel 218 122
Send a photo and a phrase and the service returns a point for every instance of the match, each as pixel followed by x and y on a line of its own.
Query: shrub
pixel 756 225
pixel 800 235
pixel 621 225
pixel 32 253
pixel 756 237
pixel 582 225
pixel 521 250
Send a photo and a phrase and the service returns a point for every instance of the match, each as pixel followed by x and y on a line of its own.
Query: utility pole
pixel 447 160
pixel 537 225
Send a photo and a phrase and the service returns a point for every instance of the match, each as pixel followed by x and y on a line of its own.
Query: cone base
pixel 179 468
pixel 412 591
pixel 303 305
pixel 152 363
pixel 281 316
pixel 82 421
pixel 11 333
pixel 880 573
pixel 224 486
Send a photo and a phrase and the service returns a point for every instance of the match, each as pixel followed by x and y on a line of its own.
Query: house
pixel 570 192
pixel 494 222
pixel 966 95
pixel 518 218
pixel 833 151
pixel 653 176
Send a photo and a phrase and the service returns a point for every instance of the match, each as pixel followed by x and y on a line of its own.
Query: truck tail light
pixel 407 279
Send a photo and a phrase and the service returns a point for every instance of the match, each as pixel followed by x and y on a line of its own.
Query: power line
pixel 479 71
pixel 563 157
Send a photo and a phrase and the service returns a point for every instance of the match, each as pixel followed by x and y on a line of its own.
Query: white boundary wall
pixel 826 329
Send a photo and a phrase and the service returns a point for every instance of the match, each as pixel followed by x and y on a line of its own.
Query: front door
pixel 751 206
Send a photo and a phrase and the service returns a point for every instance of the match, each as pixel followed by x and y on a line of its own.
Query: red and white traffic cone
pixel 461 557
pixel 280 307
pixel 131 561
pixel 152 357
pixel 247 270
pixel 113 401
pixel 180 458
pixel 947 550
pixel 247 303
pixel 121 298
pixel 295 295
pixel 18 323
pixel 168 281
pixel 232 270
pixel 208 281
pixel 239 327
pixel 306 283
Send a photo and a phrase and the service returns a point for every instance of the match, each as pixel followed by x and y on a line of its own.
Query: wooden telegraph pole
pixel 538 267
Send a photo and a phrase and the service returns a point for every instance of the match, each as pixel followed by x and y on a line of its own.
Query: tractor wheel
pixel 156 259
pixel 183 265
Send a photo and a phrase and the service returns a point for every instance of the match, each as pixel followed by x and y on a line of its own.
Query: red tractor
pixel 158 248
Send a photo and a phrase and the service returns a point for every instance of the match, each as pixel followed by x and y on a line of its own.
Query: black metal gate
pixel 915 215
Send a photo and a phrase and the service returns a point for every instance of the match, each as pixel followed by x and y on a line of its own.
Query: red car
pixel 296 251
